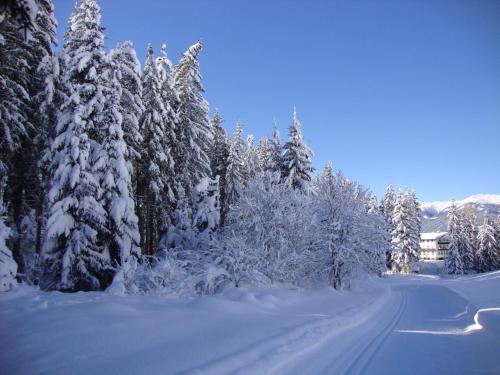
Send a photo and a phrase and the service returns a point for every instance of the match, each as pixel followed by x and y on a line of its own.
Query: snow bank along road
pixel 402 325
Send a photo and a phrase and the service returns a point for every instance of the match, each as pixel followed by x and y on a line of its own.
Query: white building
pixel 434 245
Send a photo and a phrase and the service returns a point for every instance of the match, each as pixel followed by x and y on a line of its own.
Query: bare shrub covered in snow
pixel 290 236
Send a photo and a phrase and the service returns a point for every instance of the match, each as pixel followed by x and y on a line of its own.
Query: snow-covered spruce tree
pixel 469 238
pixel 16 120
pixel 388 203
pixel 22 14
pixel 387 209
pixel 218 160
pixel 488 251
pixel 206 216
pixel 250 160
pixel 406 232
pixel 124 58
pixel 372 207
pixel 75 255
pixel 453 262
pixel 264 154
pixel 114 173
pixel 459 229
pixel 156 170
pixel 8 267
pixel 296 163
pixel 164 66
pixel 276 153
pixel 180 236
pixel 189 245
pixel 373 238
pixel 328 171
pixel 195 134
pixel 416 217
pixel 454 229
pixel 30 178
pixel 170 100
pixel 235 168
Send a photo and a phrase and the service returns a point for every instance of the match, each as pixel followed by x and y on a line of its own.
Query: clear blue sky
pixel 392 91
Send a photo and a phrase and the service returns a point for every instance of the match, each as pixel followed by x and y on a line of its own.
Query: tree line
pixel 114 176
pixel 472 248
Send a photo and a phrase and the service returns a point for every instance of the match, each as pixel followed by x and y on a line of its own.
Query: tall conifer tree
pixel 296 163
pixel 75 255
pixel 219 159
pixel 195 134
pixel 155 189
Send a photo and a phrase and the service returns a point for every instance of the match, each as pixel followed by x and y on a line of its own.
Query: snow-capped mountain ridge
pixel 479 199
pixel 435 214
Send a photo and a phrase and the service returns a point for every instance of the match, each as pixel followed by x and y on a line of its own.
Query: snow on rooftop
pixel 432 235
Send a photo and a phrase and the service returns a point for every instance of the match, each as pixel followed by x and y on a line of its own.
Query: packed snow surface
pixel 399 325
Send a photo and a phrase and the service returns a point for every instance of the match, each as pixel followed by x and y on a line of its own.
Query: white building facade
pixel 434 245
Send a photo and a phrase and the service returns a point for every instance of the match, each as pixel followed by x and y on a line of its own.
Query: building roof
pixel 432 235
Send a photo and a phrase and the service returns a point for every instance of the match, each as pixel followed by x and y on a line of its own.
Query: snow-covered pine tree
pixel 207 211
pixel 468 238
pixel 388 203
pixel 218 160
pixel 235 168
pixel 453 262
pixel 22 14
pixel 328 171
pixel 296 163
pixel 406 232
pixel 372 204
pixel 16 120
pixel 32 177
pixel 124 57
pixel 195 135
pixel 374 238
pixel 8 267
pixel 416 218
pixel 488 251
pixel 180 236
pixel 156 171
pixel 454 223
pixel 387 210
pixel 250 160
pixel 170 100
pixel 164 66
pixel 264 154
pixel 45 74
pixel 461 230
pixel 276 152
pixel 114 173
pixel 74 254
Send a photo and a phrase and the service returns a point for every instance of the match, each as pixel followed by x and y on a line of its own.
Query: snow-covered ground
pixel 397 325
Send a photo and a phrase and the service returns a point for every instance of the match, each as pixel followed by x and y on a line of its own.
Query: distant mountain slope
pixel 435 213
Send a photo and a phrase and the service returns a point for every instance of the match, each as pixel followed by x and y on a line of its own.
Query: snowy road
pixel 427 329
pixel 400 325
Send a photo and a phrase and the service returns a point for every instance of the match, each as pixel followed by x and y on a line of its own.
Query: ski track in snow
pixel 261 332
pixel 362 361
pixel 271 354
